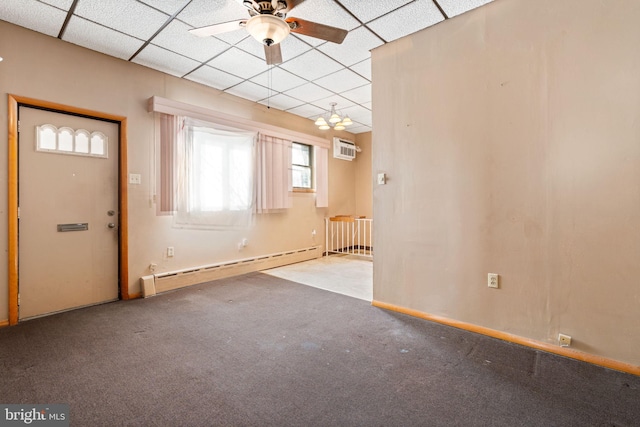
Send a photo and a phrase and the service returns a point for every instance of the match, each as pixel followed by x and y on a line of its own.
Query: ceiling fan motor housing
pixel 266 7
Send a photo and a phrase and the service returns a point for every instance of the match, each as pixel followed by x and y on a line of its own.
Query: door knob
pixel 111 225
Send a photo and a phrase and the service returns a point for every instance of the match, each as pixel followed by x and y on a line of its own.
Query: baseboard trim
pixel 4 323
pixel 171 280
pixel 538 345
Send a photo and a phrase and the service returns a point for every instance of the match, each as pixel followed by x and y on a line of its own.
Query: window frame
pixel 310 166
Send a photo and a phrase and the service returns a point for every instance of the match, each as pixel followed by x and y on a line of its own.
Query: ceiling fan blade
pixel 319 31
pixel 291 4
pixel 225 27
pixel 273 54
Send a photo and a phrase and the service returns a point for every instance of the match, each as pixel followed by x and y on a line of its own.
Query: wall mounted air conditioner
pixel 343 149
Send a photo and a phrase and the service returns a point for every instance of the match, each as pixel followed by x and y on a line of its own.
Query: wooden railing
pixel 346 234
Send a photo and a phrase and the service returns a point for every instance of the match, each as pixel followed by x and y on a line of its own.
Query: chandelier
pixel 334 121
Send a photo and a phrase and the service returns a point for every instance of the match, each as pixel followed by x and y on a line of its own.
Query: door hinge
pixel 18 212
pixel 18 299
pixel 18 126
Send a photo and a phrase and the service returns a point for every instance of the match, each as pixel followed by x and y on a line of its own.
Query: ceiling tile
pixel 311 65
pixel 358 114
pixel 278 79
pixel 357 128
pixel 212 77
pixel 363 68
pixel 201 13
pixel 281 102
pixel 309 92
pixel 359 95
pixel 167 6
pixel 176 37
pixel 308 111
pixel 101 39
pixel 130 17
pixel 356 47
pixel 341 102
pixel 163 60
pixel 61 4
pixel 291 47
pixel 407 20
pixel 249 91
pixel 456 7
pixel 33 15
pixel 324 12
pixel 365 12
pixel 239 63
pixel 340 81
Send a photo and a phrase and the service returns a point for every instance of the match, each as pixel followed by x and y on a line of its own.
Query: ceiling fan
pixel 268 23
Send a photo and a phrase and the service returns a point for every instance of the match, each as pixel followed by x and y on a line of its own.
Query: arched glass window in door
pixel 65 140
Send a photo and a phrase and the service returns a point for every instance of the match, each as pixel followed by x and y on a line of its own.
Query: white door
pixel 68 212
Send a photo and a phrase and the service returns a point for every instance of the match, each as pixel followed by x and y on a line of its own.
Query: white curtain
pixel 273 180
pixel 321 156
pixel 215 180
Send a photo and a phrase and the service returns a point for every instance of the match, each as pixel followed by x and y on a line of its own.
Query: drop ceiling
pixel 314 73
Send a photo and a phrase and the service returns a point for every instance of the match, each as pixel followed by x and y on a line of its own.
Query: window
pixel 301 166
pixel 67 141
pixel 213 175
pixel 220 171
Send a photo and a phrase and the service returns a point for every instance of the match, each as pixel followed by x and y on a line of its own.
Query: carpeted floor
pixel 258 350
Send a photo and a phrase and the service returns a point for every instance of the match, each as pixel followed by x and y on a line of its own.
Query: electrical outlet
pixel 152 267
pixel 170 252
pixel 564 340
pixel 313 232
pixel 492 280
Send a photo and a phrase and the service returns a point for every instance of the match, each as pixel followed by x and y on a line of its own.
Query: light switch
pixel 135 178
pixel 382 179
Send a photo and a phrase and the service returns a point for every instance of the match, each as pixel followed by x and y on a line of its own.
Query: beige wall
pixel 511 137
pixel 364 179
pixel 45 68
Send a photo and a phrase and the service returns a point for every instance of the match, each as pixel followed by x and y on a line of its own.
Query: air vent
pixel 343 149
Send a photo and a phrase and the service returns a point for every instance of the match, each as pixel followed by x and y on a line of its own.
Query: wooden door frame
pixel 15 102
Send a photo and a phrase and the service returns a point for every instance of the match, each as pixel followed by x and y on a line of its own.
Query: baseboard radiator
pixel 168 281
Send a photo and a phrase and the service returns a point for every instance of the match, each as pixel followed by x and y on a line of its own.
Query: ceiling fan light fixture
pixel 324 127
pixel 347 121
pixel 268 29
pixel 339 126
pixel 321 121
